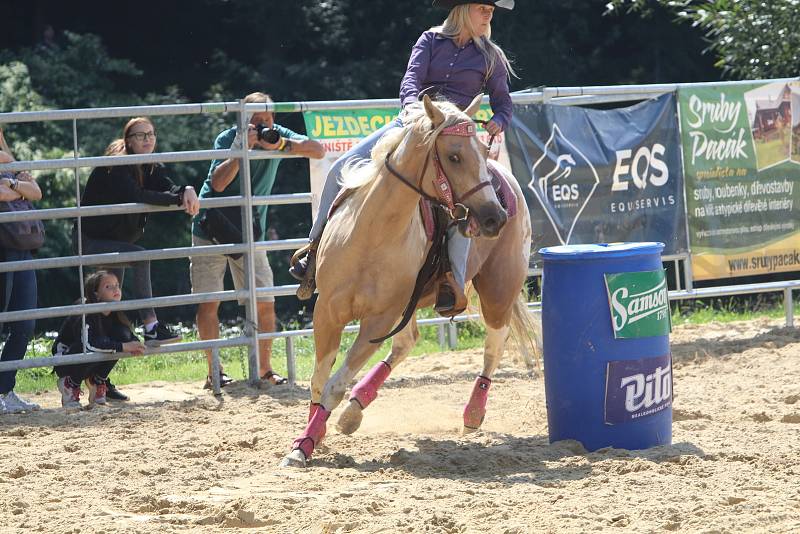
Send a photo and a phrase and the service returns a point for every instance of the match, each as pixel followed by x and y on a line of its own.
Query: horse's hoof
pixel 296 458
pixel 468 430
pixel 350 420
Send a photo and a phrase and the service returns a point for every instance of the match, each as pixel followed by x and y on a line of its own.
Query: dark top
pixel 118 185
pixel 458 74
pixel 106 333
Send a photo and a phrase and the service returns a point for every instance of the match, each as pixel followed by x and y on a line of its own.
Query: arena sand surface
pixel 177 460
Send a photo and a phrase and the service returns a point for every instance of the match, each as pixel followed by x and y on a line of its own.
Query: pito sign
pixel 637 388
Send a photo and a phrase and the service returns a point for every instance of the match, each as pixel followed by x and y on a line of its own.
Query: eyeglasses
pixel 141 136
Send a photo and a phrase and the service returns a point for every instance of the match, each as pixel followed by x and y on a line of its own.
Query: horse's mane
pixel 360 173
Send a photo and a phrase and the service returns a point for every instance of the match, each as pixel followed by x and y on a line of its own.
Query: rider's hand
pixel 493 128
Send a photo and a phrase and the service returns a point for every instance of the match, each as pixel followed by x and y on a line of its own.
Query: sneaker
pixel 70 393
pixel 159 335
pixel 224 380
pixel 97 390
pixel 112 393
pixel 16 405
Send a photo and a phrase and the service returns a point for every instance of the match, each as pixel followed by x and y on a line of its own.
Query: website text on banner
pixel 742 157
pixel 339 131
pixel 600 176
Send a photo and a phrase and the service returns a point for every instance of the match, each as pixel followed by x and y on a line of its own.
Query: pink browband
pixel 464 129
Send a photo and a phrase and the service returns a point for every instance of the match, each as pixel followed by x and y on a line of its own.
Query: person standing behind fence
pixel 454 61
pixel 105 332
pixel 18 288
pixel 147 183
pixel 208 272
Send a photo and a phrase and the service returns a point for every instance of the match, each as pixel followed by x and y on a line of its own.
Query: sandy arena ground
pixel 177 460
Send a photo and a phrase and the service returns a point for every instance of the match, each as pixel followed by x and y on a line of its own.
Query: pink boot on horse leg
pixel 475 410
pixel 303 447
pixel 361 396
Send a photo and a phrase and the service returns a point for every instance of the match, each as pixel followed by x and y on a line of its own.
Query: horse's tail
pixel 526 333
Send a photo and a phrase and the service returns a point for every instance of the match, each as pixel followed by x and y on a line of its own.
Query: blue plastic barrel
pixel 605 326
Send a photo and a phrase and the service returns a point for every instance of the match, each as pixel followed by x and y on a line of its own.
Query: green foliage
pixel 751 38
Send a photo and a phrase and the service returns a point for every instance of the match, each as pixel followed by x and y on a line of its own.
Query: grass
pixel 191 366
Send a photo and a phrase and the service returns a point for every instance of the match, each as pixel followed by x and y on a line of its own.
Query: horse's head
pixel 459 173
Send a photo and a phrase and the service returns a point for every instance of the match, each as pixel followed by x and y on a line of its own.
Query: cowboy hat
pixel 450 4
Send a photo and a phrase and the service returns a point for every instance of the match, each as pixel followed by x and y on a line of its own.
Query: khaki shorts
pixel 208 272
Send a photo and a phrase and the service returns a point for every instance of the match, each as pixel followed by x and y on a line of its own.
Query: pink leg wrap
pixel 366 390
pixel 314 432
pixel 475 409
pixel 312 409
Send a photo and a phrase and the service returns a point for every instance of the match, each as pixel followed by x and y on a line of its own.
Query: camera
pixel 267 134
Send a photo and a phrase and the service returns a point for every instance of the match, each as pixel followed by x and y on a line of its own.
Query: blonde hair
pixel 119 147
pixel 457 21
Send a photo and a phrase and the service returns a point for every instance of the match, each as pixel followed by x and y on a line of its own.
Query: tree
pixel 751 38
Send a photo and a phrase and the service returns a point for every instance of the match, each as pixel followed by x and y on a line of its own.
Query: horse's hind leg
pixel 475 410
pixel 367 388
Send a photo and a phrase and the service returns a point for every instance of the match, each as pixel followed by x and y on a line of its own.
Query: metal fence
pixel 446 328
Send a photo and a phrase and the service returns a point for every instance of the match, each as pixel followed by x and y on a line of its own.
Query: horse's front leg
pixel 335 387
pixel 327 337
pixel 366 390
pixel 493 348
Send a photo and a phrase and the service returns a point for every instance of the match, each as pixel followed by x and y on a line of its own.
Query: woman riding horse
pixel 454 61
pixel 435 155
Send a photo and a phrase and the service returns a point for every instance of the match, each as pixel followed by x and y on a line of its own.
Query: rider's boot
pixel 307 265
pixel 451 299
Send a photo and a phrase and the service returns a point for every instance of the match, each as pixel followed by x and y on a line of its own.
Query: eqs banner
pixel 600 176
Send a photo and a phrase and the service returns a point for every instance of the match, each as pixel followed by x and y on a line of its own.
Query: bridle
pixel 445 195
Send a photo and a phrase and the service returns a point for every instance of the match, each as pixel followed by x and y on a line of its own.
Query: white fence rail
pixel 563 96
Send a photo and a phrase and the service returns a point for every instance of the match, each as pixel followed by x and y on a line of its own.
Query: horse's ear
pixel 434 113
pixel 474 106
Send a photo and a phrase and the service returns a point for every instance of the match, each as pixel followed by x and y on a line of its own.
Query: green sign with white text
pixel 639 304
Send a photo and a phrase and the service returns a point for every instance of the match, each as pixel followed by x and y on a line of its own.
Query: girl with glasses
pixel 141 183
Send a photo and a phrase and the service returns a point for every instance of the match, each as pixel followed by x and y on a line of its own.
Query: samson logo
pixel 639 304
pixel 637 388
pixel 563 180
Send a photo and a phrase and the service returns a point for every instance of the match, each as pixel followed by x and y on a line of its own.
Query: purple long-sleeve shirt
pixel 459 74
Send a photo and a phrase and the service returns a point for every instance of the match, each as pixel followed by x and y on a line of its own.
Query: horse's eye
pixel 454 158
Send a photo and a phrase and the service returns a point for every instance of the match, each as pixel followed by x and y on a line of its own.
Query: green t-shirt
pixel 262 177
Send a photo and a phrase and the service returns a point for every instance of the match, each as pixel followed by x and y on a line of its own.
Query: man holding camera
pixel 208 272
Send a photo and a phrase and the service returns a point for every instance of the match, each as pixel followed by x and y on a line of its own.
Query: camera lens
pixel 268 135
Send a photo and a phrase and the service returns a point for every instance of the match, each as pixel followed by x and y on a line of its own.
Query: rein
pixel 445 195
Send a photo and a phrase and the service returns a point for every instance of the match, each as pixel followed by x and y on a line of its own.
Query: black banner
pixel 600 176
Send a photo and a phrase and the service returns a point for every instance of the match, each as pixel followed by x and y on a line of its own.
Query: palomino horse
pixel 375 244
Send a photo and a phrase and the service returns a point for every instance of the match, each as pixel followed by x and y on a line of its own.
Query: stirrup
pixel 459 303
